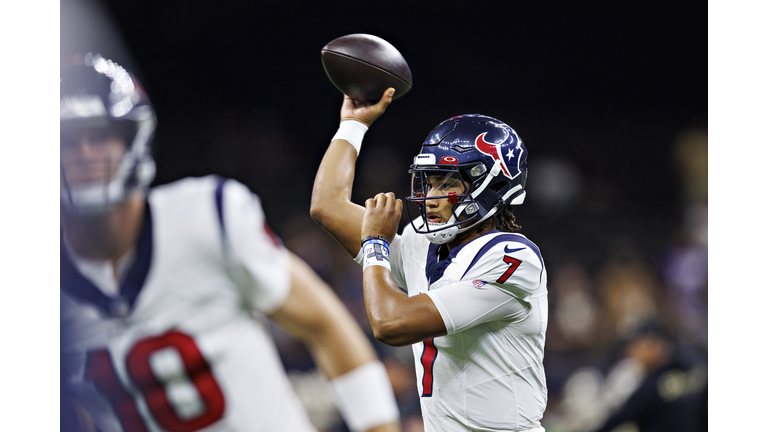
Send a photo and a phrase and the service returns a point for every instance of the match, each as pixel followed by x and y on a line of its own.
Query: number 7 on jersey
pixel 514 263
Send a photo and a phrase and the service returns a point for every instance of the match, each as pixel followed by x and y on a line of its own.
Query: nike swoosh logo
pixel 506 250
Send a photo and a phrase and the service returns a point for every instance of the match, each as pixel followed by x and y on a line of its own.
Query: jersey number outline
pixel 100 369
pixel 428 357
pixel 514 263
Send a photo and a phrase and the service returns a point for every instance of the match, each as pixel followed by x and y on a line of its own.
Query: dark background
pixel 600 92
pixel 239 88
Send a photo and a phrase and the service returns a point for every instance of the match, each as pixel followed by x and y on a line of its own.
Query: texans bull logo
pixel 493 150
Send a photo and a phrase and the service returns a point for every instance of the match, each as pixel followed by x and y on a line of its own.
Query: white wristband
pixel 364 397
pixel 376 252
pixel 351 131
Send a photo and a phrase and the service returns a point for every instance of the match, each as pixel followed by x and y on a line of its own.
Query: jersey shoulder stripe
pixel 507 237
pixel 219 194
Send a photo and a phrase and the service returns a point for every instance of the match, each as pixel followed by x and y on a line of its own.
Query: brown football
pixel 362 66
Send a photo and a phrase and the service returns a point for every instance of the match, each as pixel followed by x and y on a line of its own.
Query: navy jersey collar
pixel 435 268
pixel 77 285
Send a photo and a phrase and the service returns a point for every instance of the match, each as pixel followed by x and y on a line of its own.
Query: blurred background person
pixel 670 395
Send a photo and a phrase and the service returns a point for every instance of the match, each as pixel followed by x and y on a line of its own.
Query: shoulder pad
pixel 509 261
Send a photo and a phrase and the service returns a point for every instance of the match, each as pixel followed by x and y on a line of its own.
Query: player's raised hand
pixel 356 110
pixel 382 215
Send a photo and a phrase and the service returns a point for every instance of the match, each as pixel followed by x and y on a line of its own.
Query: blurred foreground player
pixel 475 310
pixel 163 291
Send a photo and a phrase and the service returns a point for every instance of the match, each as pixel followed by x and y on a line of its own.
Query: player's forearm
pixel 339 345
pixel 395 318
pixel 331 205
pixel 333 182
pixel 314 314
pixel 358 381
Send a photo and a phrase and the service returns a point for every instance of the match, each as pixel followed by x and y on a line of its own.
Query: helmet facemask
pixel 85 188
pixel 482 193
pixel 449 183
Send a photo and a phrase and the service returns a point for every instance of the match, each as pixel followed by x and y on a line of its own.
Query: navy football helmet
pixel 486 155
pixel 99 97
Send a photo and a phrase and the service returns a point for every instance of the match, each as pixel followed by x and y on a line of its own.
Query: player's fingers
pixel 360 104
pixel 377 200
pixel 399 206
pixel 381 200
pixel 370 203
pixel 348 103
pixel 390 199
pixel 386 98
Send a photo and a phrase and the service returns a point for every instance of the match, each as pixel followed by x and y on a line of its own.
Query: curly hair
pixel 505 220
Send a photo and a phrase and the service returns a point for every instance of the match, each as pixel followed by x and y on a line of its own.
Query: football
pixel 362 66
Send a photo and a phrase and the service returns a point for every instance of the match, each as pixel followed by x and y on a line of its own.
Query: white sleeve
pixel 395 260
pixel 463 305
pixel 258 261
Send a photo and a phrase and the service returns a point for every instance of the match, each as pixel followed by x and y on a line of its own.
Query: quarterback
pixel 165 291
pixel 475 312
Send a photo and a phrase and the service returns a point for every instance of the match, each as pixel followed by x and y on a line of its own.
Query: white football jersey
pixel 487 373
pixel 182 345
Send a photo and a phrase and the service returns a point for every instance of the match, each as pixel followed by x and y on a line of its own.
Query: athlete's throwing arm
pixel 395 318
